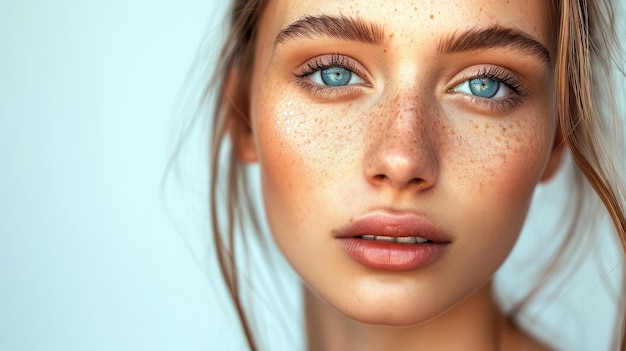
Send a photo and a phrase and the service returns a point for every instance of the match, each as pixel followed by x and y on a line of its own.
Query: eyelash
pixel 499 74
pixel 505 77
pixel 324 62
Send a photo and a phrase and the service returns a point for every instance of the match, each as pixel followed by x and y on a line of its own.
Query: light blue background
pixel 93 256
pixel 89 259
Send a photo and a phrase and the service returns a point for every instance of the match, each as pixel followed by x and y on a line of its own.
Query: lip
pixel 393 256
pixel 394 225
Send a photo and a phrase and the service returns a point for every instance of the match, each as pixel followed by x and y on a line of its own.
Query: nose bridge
pixel 404 151
pixel 407 122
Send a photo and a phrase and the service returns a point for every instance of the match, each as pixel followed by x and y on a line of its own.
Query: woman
pixel 399 146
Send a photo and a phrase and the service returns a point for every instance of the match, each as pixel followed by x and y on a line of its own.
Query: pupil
pixel 336 76
pixel 484 87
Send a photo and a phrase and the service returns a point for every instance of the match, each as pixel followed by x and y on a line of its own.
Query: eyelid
pixel 511 80
pixel 331 60
pixel 505 76
pixel 321 62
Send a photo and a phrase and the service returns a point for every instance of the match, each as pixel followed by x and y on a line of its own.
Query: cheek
pixel 501 157
pixel 300 159
pixel 298 140
pixel 492 169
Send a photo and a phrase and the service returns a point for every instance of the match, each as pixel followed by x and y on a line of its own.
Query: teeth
pixel 406 239
pixel 401 239
pixel 386 238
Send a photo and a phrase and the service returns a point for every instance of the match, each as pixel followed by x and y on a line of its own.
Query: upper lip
pixel 393 225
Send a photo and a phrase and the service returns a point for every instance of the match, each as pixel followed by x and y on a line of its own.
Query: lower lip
pixel 392 256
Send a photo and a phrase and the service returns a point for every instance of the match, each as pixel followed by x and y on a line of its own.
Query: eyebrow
pixel 341 27
pixel 495 37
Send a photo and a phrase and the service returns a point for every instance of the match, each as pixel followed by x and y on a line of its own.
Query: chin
pixel 395 321
pixel 390 315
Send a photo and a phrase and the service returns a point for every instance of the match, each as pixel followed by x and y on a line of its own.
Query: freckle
pixel 432 16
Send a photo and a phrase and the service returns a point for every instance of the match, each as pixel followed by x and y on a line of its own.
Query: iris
pixel 336 76
pixel 484 87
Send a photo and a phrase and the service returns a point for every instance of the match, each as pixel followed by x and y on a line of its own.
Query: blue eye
pixel 333 72
pixel 484 87
pixel 336 76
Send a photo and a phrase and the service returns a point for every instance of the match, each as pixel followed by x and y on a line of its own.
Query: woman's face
pixel 399 144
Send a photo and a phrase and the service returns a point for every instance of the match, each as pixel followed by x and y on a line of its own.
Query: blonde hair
pixel 586 47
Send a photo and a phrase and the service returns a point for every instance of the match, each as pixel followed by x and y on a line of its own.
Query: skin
pixel 401 139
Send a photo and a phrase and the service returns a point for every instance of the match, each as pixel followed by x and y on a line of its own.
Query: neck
pixel 475 323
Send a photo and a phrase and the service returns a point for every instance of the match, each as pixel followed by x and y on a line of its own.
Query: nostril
pixel 382 178
pixel 379 179
pixel 416 181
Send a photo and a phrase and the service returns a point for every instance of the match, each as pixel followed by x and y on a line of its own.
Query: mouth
pixel 393 241
pixel 396 239
pixel 404 228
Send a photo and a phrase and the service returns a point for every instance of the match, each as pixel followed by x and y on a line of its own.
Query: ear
pixel 237 102
pixel 554 163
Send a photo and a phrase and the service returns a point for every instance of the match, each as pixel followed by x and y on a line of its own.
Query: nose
pixel 403 154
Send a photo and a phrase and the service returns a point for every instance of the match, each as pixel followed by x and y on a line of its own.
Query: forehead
pixel 418 20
